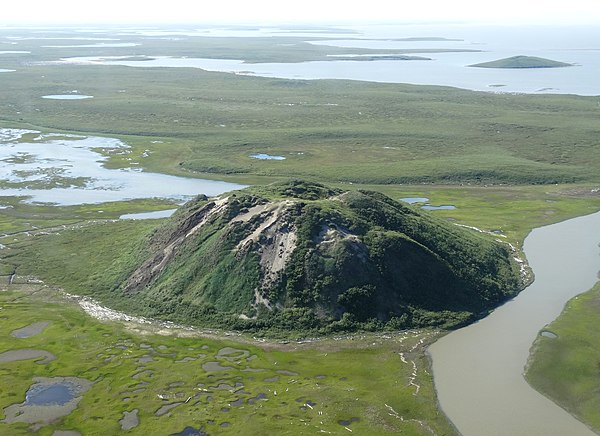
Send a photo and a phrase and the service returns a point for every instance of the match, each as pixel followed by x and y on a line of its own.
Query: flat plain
pixel 507 162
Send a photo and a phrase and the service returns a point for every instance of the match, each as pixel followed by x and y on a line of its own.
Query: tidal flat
pixel 366 383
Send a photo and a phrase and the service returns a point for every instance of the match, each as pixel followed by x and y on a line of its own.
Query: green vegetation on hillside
pixel 522 62
pixel 565 368
pixel 288 257
pixel 474 150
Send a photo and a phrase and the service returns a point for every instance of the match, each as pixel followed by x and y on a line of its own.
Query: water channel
pixel 478 370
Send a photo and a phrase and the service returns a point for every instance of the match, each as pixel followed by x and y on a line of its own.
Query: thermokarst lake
pixel 68 170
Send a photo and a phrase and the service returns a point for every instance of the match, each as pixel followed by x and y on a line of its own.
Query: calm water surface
pixel 475 44
pixel 478 370
pixel 67 97
pixel 69 170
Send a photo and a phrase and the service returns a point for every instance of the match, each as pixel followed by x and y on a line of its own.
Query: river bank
pixel 478 370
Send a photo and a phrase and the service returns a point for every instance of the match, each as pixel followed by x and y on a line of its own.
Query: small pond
pixel 190 431
pixel 412 200
pixel 130 420
pixel 263 156
pixel 67 97
pixel 40 395
pixel 31 330
pixel 148 215
pixel 42 356
pixel 214 367
pixel 48 399
pixel 442 207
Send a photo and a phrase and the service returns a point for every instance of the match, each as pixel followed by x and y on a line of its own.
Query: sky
pixel 14 12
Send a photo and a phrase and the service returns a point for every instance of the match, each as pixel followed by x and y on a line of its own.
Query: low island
pixel 522 62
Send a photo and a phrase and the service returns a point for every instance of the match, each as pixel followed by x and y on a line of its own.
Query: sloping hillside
pixel 301 256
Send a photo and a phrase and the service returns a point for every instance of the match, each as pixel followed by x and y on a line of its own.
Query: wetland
pixel 68 170
pixel 98 377
pixel 230 107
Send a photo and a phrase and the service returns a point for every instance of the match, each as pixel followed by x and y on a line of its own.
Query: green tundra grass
pixel 565 368
pixel 330 130
pixel 367 384
pixel 509 163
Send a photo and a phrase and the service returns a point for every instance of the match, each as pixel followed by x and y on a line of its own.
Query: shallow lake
pixel 478 370
pixel 39 395
pixel 31 330
pixel 263 156
pixel 412 200
pixel 97 45
pixel 68 170
pixel 148 215
pixel 574 45
pixel 441 207
pixel 48 399
pixel 67 97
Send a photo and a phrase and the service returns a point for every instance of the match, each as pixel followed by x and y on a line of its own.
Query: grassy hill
pixel 522 62
pixel 291 256
pixel 299 256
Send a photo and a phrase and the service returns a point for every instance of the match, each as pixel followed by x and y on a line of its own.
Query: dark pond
pixel 190 431
pixel 30 330
pixel 442 207
pixel 45 395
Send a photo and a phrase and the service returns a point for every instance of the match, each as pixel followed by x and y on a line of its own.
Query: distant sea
pixel 579 46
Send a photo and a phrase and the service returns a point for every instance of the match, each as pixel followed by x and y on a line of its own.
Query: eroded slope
pixel 302 256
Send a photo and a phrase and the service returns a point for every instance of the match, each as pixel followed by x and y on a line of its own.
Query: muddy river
pixel 478 370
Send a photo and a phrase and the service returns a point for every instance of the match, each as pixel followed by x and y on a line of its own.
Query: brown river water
pixel 478 370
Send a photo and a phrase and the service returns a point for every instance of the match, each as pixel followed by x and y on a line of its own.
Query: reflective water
pixel 68 170
pixel 470 45
pixel 264 156
pixel 148 215
pixel 441 207
pixel 412 200
pixel 45 395
pixel 31 330
pixel 478 370
pixel 67 97
pixel 97 45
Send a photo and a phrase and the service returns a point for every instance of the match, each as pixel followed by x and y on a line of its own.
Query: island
pixel 522 62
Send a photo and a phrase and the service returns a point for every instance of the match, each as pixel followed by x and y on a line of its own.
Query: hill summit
pixel 302 256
